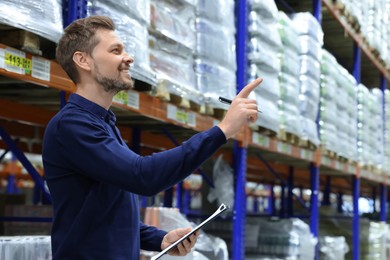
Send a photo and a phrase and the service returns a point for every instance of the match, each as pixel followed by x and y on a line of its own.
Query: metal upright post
pixel 356 179
pixel 340 202
pixel 239 212
pixel 317 5
pixel 240 153
pixel 271 200
pixel 357 61
pixel 290 201
pixel 314 185
pixel 383 201
pixel 282 212
pixel 374 198
pixel 383 188
pixel 355 222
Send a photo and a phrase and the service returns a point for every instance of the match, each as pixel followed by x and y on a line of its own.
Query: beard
pixel 112 85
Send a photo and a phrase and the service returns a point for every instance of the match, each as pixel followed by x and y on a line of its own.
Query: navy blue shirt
pixel 94 181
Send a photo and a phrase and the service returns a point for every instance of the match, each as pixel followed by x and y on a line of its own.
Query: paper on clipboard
pixel 220 209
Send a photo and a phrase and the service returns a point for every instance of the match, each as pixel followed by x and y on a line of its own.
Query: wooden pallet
pixel 307 144
pixel 263 130
pixel 330 154
pixel 288 137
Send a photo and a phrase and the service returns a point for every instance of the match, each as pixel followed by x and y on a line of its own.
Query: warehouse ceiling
pixel 336 41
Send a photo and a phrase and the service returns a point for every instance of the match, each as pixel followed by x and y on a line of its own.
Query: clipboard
pixel 220 209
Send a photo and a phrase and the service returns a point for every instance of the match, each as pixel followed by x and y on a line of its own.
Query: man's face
pixel 111 68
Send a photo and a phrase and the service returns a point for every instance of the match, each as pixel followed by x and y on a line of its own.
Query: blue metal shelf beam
pixel 25 162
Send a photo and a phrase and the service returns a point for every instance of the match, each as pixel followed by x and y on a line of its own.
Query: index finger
pixel 244 93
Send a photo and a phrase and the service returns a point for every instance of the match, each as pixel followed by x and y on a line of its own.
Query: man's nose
pixel 128 59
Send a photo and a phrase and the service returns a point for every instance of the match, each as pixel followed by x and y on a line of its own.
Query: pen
pixel 228 101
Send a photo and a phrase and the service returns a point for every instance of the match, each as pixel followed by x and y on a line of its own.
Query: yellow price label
pixel 17 61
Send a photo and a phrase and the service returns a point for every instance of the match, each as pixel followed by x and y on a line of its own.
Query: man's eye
pixel 115 51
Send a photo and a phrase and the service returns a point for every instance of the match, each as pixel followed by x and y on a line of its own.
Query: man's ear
pixel 81 60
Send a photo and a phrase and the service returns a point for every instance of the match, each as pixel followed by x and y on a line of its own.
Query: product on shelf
pixel 289 78
pixel 310 42
pixel 132 31
pixel 43 18
pixel 282 238
pixel 264 45
pixel 333 248
pixel 25 247
pixel 215 53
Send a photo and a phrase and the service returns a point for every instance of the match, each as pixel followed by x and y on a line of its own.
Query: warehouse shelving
pixel 150 111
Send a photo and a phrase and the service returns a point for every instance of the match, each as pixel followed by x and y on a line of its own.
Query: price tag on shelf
pixel 40 68
pixel 15 61
pixel 284 148
pixel 260 140
pixel 339 165
pixel 307 154
pixel 181 115
pixel 133 99
pixel 326 161
pixel 351 168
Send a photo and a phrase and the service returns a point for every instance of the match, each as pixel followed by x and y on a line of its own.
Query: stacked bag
pixel 172 45
pixel 215 52
pixel 289 76
pixel 346 117
pixel 132 20
pixel 43 18
pixel 310 41
pixel 264 46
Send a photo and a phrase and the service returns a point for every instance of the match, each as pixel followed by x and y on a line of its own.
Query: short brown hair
pixel 80 36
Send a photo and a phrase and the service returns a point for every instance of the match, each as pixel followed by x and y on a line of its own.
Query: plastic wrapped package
pixel 287 32
pixel 308 46
pixel 137 9
pixel 309 97
pixel 310 67
pixel 309 130
pixel 43 18
pixel 289 88
pixel 270 88
pixel 260 52
pixel 270 117
pixel 223 191
pixel 266 31
pixel 328 88
pixel 283 239
pixel 328 112
pixel 136 42
pixel 266 8
pixel 215 44
pixel 208 81
pixel 219 11
pixel 289 61
pixel 328 137
pixel 333 248
pixel 218 251
pixel 175 69
pixel 306 24
pixel 166 22
pixel 290 118
pixel 25 247
pixel 328 63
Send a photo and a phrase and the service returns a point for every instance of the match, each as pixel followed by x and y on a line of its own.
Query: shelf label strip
pixel 133 99
pixel 260 140
pixel 181 115
pixel 40 68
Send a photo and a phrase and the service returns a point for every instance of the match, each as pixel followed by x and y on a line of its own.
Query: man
pixel 93 177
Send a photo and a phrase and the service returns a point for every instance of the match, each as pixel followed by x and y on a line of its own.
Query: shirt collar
pixel 106 115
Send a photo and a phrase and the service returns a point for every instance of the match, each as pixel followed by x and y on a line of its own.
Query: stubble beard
pixel 112 85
